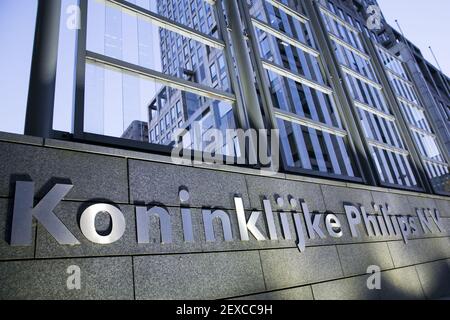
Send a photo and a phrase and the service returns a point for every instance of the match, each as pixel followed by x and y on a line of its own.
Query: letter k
pixel 244 226
pixel 21 230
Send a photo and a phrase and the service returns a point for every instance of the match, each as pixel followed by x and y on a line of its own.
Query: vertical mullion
pixel 81 71
pixel 41 90
pixel 239 109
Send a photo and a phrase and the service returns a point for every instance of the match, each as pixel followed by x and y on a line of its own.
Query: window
pixel 388 151
pixel 312 134
pixel 179 109
pixel 65 75
pixel 136 71
pixel 436 166
pixel 17 26
pixel 213 72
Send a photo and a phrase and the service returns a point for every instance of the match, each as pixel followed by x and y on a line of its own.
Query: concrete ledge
pixel 110 151
pixel 22 139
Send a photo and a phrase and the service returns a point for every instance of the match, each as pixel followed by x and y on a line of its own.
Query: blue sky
pixel 425 23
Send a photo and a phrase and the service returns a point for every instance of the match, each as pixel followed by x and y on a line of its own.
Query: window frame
pixel 83 56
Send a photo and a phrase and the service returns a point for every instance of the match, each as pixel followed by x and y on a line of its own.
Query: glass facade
pixel 154 67
pixel 424 137
pixel 15 62
pixel 313 136
pixel 387 148
pixel 150 74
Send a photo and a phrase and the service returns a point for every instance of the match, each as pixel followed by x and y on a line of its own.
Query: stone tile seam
pixel 420 281
pixel 390 254
pixel 262 269
pixel 176 254
pixel 311 284
pixel 219 251
pixel 134 277
pixel 339 259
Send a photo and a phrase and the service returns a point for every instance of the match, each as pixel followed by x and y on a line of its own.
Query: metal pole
pixel 41 95
pixel 244 65
pixel 435 59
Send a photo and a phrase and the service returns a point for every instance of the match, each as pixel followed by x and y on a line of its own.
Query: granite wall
pixel 328 269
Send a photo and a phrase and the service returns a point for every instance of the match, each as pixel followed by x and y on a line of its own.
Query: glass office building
pixel 108 190
pixel 136 73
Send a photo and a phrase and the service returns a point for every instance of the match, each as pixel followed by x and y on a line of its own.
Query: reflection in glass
pixel 128 105
pixel 122 104
pixel 387 147
pixel 434 161
pixel 122 34
pixel 17 25
pixel 303 101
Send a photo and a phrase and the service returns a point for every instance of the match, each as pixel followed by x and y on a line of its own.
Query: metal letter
pixel 371 224
pixel 437 219
pixel 301 235
pixel 285 226
pixel 244 226
pixel 187 225
pixel 382 224
pixel 270 220
pixel 24 212
pixel 424 222
pixel 87 223
pixel 412 225
pixel 143 224
pixel 332 222
pixel 312 226
pixel 404 227
pixel 208 218
pixel 354 218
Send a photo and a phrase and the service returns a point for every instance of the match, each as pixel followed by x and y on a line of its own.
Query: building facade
pixel 90 182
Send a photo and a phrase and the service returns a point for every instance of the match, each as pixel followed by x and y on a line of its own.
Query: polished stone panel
pixel 93 176
pixel 356 258
pixel 8 252
pixel 198 276
pixel 160 183
pixel 101 278
pixel 286 268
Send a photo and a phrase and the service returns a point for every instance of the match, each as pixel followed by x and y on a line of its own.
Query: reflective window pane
pixel 124 105
pixel 198 15
pixel 313 137
pixel 388 150
pixel 434 161
pixel 130 37
pixel 17 26
pixel 66 67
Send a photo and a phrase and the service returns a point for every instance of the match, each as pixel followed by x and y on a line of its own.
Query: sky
pixel 425 23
